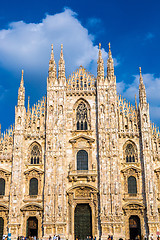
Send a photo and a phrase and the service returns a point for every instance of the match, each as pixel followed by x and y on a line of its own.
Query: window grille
pixel 82 160
pixel 33 186
pixel 132 185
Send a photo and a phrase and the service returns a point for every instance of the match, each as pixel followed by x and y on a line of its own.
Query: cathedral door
pixel 82 221
pixel 1 227
pixel 32 227
pixel 134 227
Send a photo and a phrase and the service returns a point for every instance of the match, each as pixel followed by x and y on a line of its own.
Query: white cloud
pixel 152 85
pixel 27 45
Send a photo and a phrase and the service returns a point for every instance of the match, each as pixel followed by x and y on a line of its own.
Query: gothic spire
pixel 21 92
pixel 28 108
pixel 61 69
pixel 22 81
pixel 100 67
pixel 52 67
pixel 110 65
pixel 142 90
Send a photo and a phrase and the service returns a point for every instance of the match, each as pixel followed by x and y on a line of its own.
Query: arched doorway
pixel 134 227
pixel 82 221
pixel 32 227
pixel 1 227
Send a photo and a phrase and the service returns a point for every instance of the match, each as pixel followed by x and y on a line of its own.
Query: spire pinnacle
pixel 109 52
pixel 28 103
pixel 52 54
pixel 100 52
pixel 141 78
pixel 21 92
pixel 61 69
pixel 100 67
pixel 61 55
pixel 142 90
pixel 110 65
pixel 52 66
pixel 22 81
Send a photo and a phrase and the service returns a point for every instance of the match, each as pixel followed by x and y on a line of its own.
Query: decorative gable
pixel 81 79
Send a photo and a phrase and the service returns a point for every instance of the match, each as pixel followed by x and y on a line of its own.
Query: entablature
pixel 32 198
pixel 82 175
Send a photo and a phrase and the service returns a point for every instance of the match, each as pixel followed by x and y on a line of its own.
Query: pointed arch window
pixel 35 154
pixel 82 117
pixel 33 186
pixel 132 185
pixel 2 186
pixel 82 160
pixel 130 153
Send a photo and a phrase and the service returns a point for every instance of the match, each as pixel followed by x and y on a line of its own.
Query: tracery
pixel 82 117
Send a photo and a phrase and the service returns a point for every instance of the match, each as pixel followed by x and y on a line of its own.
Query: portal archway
pixel 134 227
pixel 1 227
pixel 82 221
pixel 32 227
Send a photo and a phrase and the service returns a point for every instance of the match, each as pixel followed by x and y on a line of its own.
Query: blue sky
pixel 27 29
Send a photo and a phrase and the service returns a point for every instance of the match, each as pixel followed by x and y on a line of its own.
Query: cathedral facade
pixel 81 162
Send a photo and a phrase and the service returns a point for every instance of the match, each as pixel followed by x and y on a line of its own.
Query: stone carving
pixel 82 192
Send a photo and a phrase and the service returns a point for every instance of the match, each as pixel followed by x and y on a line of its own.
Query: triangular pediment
pixel 135 205
pixel 33 169
pixel 83 138
pixel 130 168
pixel 4 171
pixel 32 207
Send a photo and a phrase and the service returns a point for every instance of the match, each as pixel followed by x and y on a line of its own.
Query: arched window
pixel 130 153
pixel 132 185
pixel 82 160
pixel 35 154
pixel 2 186
pixel 82 117
pixel 33 186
